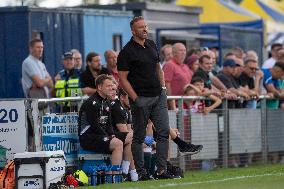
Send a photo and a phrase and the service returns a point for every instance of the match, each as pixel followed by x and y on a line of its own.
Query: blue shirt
pixel 267 79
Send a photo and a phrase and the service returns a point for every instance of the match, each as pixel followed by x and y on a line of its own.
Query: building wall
pixel 61 31
pixel 99 31
pixel 14 37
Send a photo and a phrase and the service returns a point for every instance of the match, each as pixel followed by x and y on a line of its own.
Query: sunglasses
pixel 253 69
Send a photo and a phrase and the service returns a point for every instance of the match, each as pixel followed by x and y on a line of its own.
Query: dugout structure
pixel 223 37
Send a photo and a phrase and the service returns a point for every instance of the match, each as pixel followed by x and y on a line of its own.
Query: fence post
pixel 225 145
pixel 180 126
pixel 264 142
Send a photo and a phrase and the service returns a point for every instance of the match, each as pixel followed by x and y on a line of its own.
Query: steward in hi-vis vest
pixel 67 82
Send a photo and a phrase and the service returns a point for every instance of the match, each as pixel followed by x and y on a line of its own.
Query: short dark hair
pixel 32 42
pixel 280 64
pixel 135 19
pixel 90 56
pixel 228 54
pixel 101 78
pixel 196 79
pixel 121 92
pixel 203 57
pixel 274 45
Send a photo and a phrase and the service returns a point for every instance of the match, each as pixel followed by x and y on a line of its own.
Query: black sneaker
pixel 126 177
pixel 143 176
pixel 164 175
pixel 191 149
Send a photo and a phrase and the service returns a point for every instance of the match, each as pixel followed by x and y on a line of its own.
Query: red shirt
pixel 178 75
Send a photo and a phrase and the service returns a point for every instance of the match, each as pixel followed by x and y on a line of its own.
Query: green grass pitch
pixel 257 177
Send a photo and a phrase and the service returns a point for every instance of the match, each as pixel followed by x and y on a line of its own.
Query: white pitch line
pixel 209 181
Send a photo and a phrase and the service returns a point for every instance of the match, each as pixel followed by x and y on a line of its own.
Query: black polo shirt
pixel 119 114
pixel 228 81
pixel 205 76
pixel 245 80
pixel 141 63
pixel 92 112
pixel 87 79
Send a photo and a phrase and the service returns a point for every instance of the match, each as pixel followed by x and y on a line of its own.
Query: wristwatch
pixel 164 88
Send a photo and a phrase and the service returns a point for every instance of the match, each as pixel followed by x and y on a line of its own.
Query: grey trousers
pixel 154 108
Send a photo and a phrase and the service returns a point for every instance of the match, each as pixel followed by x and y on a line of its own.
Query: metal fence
pixel 231 137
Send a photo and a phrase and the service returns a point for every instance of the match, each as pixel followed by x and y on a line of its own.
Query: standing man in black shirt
pixel 141 77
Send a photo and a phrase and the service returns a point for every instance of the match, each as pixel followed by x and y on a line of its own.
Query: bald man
pixel 111 61
pixel 177 74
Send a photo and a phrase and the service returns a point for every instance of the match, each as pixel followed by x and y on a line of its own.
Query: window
pixel 117 42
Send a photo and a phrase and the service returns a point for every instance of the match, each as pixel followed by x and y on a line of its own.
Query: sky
pixel 48 3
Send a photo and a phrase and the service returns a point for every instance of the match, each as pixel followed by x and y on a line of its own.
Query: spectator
pixel 93 70
pixel 67 81
pixel 196 88
pixel 213 57
pixel 177 74
pixel 271 79
pixel 166 54
pixel 271 61
pixel 111 63
pixel 229 55
pixel 193 63
pixel 205 66
pixel 227 77
pixel 94 123
pixel 238 52
pixel 238 70
pixel 252 55
pixel 36 81
pixel 250 79
pixel 142 78
pixel 204 71
pixel 77 58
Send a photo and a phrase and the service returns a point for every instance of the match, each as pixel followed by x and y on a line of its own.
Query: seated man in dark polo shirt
pixel 93 70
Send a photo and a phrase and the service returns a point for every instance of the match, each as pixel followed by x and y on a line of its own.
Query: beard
pixel 96 69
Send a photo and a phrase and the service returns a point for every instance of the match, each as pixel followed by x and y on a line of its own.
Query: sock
pixel 179 142
pixel 125 166
pixel 133 175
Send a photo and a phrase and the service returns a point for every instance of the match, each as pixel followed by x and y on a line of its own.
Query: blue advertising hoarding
pixel 60 132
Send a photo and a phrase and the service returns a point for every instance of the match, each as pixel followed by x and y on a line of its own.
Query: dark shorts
pixel 121 136
pixel 89 142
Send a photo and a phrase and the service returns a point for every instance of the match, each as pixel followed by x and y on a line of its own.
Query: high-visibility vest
pixel 69 88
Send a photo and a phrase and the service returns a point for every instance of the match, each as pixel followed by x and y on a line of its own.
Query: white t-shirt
pixel 269 63
pixel 31 67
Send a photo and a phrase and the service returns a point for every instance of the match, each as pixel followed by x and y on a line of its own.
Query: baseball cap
pixel 230 63
pixel 67 55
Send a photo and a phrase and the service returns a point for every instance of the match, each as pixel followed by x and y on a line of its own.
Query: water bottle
pixel 117 177
pixel 108 175
pixel 93 178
